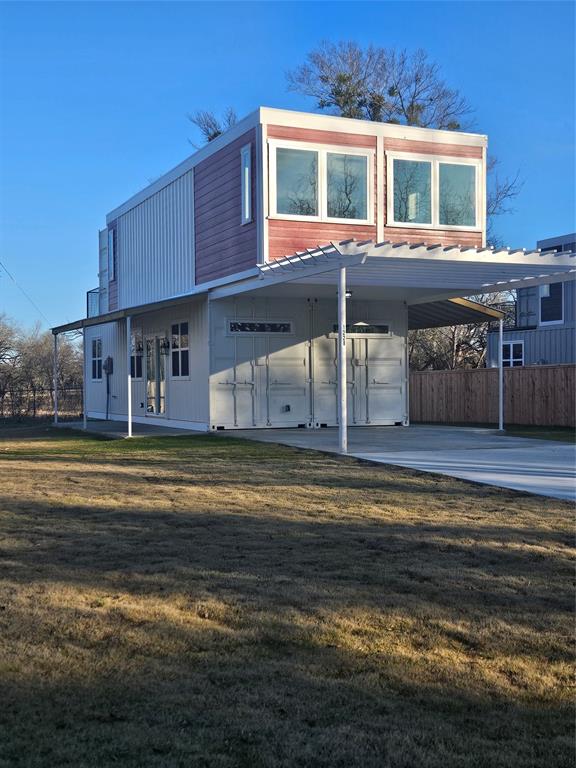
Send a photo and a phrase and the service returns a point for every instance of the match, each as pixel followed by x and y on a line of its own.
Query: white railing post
pixel 342 386
pixel 128 361
pixel 55 377
pixel 501 375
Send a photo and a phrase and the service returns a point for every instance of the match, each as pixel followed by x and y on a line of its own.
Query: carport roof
pixel 419 274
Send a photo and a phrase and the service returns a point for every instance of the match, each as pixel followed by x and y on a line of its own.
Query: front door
pixel 155 377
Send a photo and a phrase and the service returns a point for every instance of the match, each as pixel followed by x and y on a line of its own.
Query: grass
pixel 563 434
pixel 198 601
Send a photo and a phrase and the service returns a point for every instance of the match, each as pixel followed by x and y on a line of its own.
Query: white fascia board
pixel 250 121
pixel 319 122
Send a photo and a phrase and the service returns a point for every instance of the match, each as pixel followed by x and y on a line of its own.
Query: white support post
pixel 342 386
pixel 84 416
pixel 55 377
pixel 128 361
pixel 501 376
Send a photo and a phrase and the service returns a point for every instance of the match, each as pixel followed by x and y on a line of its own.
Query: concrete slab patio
pixel 543 467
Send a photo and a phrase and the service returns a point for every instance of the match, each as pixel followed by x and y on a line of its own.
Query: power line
pixel 27 296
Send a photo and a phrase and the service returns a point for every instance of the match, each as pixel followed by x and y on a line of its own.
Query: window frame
pixel 435 162
pixel 246 216
pixel 322 151
pixel 95 358
pixel 246 334
pixel 546 323
pixel 511 359
pixel 179 350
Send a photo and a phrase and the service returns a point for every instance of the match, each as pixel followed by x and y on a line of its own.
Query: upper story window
pixel 180 350
pixel 246 170
pixel 96 359
pixel 552 303
pixel 433 192
pixel 322 184
pixel 112 253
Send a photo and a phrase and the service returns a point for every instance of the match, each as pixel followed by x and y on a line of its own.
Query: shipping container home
pixel 271 278
pixel 541 329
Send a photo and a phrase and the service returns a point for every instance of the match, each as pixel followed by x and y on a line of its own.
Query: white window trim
pixel 236 334
pixel 179 323
pixel 512 358
pixel 435 161
pixel 246 184
pixel 546 323
pixel 322 180
pixel 92 359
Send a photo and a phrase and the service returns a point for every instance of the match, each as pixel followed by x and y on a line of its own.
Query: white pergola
pixel 434 277
pixel 415 273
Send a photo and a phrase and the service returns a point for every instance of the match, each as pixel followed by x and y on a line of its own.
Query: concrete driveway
pixel 544 467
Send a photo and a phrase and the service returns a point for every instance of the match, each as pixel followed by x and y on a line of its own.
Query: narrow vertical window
pixel 180 350
pixel 96 359
pixel 136 353
pixel 246 166
pixel 112 254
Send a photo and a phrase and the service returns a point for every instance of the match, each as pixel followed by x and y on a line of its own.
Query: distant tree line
pixel 26 372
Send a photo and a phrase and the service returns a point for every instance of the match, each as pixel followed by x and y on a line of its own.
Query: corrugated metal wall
pixel 186 398
pixel 156 246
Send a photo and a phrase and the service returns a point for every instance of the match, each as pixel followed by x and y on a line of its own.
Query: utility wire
pixel 30 299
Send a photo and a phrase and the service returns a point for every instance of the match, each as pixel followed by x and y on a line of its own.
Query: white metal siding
pixel 186 398
pixel 156 246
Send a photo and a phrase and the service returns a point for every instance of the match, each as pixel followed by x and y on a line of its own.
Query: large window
pixel 433 192
pixel 347 186
pixel 297 182
pixel 551 303
pixel 323 184
pixel 412 192
pixel 180 350
pixel 512 354
pixel 96 359
pixel 457 195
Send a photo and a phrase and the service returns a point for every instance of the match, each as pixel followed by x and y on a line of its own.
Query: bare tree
pixel 210 125
pixel 387 85
pixel 382 84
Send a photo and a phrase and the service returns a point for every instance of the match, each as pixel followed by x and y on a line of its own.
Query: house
pixel 543 327
pixel 231 287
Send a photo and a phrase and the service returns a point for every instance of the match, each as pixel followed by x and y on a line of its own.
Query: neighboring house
pixel 542 330
pixel 216 308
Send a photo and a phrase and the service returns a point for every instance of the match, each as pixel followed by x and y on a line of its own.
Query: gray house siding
pixel 543 344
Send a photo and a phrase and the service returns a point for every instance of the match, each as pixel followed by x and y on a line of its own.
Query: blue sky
pixel 94 99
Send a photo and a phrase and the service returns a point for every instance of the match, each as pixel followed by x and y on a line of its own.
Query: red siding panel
pixel 320 137
pixel 431 148
pixel 223 246
pixel 287 237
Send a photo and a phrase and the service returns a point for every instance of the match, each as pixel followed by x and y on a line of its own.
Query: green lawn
pixel 201 601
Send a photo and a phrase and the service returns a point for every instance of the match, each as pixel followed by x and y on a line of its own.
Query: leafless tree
pixel 382 84
pixel 210 125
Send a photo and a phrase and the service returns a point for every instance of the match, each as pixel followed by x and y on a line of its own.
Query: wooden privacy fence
pixel 540 395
